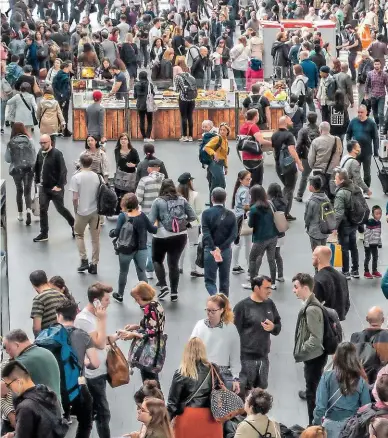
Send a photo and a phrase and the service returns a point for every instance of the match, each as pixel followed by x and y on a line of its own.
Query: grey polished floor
pixel 59 256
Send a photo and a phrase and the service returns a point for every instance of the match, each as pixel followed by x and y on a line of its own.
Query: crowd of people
pixel 189 47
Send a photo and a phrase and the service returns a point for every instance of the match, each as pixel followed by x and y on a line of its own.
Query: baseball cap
pixel 185 178
pixel 97 95
pixel 325 69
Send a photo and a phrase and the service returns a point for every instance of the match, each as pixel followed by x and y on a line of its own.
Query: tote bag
pixel 35 207
pixel 117 365
pixel 125 181
pixel 151 105
pixel 279 219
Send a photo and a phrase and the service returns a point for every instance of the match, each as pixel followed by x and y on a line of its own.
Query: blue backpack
pixel 56 339
pixel 204 158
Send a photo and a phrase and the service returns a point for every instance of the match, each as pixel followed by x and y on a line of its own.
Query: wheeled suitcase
pixel 382 173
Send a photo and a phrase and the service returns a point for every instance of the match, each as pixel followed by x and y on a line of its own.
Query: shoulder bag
pixel 36 89
pixel 151 105
pixel 117 365
pixel 279 219
pixel 125 181
pixel 41 117
pixel 35 206
pixel 34 119
pixel 224 404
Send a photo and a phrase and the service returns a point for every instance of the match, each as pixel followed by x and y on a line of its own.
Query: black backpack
pixel 332 330
pixel 358 425
pixel 256 104
pixel 359 211
pixel 327 223
pixel 106 200
pixel 190 91
pixel 368 357
pixel 125 239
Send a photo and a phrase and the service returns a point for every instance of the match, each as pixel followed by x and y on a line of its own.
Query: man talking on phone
pixel 256 318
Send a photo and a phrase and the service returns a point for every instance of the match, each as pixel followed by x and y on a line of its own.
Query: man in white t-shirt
pixel 155 31
pixel 84 185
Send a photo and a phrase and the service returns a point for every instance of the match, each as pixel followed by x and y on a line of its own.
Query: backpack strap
pixel 333 150
pixel 266 434
pixel 347 159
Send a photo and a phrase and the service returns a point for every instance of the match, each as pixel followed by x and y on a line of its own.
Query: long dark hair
pixel 184 189
pixel 59 282
pixel 241 175
pixel 259 196
pixel 274 191
pixel 95 138
pixel 118 144
pixel 339 99
pixel 149 151
pixel 347 368
pixel 168 189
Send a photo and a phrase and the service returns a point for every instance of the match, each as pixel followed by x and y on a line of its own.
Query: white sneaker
pixel 20 217
pixel 246 286
pixel 149 275
pixel 274 287
pixel 151 139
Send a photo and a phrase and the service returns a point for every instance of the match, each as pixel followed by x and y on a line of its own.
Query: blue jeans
pixel 223 268
pixel 3 104
pixel 378 104
pixel 333 428
pixel 140 258
pixel 347 238
pixel 216 170
pixel 149 265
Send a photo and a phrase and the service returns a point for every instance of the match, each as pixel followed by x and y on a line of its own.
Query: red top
pixel 249 128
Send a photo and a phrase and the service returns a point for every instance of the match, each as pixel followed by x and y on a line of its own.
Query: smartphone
pixel 97 303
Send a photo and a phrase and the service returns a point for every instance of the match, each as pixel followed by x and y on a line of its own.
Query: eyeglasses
pixel 8 385
pixel 141 409
pixel 212 311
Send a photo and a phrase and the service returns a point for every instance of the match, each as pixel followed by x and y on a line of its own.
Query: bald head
pixel 45 142
pixel 375 317
pixel 321 257
pixel 283 121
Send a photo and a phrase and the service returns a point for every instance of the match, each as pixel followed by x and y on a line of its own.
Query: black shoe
pixel 92 269
pixel 181 271
pixel 355 274
pixel 238 270
pixel 84 266
pixel 196 274
pixel 157 284
pixel 28 219
pixel 164 291
pixel 302 395
pixel 72 232
pixel 290 218
pixel 298 199
pixel 2 130
pixel 7 123
pixel 67 133
pixel 174 297
pixel 41 238
pixel 117 297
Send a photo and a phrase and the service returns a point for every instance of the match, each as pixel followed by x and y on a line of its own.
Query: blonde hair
pixel 129 38
pixel 223 302
pixel 143 291
pixel 181 62
pixel 194 352
pixel 177 31
pixel 168 54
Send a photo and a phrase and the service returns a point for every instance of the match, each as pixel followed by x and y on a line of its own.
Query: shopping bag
pixel 336 255
pixel 148 353
pixel 35 208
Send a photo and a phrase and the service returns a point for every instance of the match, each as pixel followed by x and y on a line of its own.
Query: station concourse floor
pixel 59 256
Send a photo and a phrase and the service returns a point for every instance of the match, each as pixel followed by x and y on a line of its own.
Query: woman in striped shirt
pixel 100 160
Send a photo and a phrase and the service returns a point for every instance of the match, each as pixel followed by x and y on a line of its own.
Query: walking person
pixel 339 116
pixel 142 89
pixel 50 174
pixel 62 92
pixel 186 189
pixel 372 242
pixel 173 213
pixel 95 118
pixel 21 167
pixel 100 163
pixel 23 107
pixel 186 86
pixel 376 87
pixel 240 59
pixel 142 167
pixel 219 228
pixel 136 248
pixel 85 185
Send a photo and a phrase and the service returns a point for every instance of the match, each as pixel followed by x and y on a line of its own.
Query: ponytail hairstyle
pixel 241 175
pixel 149 151
pixel 223 302
pixel 60 284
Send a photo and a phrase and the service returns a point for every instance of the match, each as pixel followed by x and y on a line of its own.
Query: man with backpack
pixel 13 71
pixel 192 52
pixel 84 186
pixel 351 210
pixel 330 286
pixel 256 101
pixel 309 335
pixel 326 91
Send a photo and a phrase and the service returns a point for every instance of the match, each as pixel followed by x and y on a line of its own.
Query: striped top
pixel 44 306
pixel 100 161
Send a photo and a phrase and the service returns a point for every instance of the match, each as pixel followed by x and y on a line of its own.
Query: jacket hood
pixel 157 176
pixel 39 394
pixel 48 103
pixel 318 195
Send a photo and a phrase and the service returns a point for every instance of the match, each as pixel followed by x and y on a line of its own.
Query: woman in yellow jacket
pixel 218 150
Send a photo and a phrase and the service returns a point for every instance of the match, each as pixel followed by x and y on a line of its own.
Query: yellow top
pixel 222 152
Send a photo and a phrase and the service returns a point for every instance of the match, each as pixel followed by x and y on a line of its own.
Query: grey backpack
pixel 175 219
pixel 126 236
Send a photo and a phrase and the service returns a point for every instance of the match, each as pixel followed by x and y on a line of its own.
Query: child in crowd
pixel 275 195
pixel 240 204
pixel 372 241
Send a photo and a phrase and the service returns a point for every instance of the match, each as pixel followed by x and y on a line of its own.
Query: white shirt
pixel 154 33
pixel 86 184
pixel 222 345
pixel 87 321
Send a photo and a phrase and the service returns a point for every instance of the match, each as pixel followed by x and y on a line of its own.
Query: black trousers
pixel 65 111
pixel 313 370
pixel 186 109
pixel 289 181
pixel 257 172
pixel 101 411
pixel 23 183
pixel 82 408
pixel 371 252
pixel 148 375
pixel 75 15
pixel 325 113
pixel 45 196
pixel 146 133
pixel 173 247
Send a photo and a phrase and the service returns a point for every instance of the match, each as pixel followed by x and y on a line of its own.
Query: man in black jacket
pixel 330 285
pixel 62 92
pixel 38 412
pixel 50 174
pixel 219 228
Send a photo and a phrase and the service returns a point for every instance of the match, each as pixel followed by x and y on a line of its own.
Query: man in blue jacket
pixel 62 92
pixel 311 71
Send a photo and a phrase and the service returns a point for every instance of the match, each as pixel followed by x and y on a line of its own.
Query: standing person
pixel 311 71
pixel 62 92
pixel 94 150
pixel 376 87
pixel 186 189
pixel 193 382
pixel 364 130
pixel 325 94
pixel 256 318
pixel 221 339
pixel 23 106
pixel 142 167
pixel 308 339
pixel 128 54
pixel 173 213
pixel 85 185
pixel 281 138
pixel 21 168
pixel 218 148
pixel 95 117
pixel 127 158
pixel 50 174
pixel 353 45
pixel 341 391
pixel 241 204
pixel 344 84
pixel 365 66
pixel 279 53
pixel 219 229
pixel 49 115
pixel 339 116
pixel 142 89
pixel 372 242
pixel 352 166
pixel 136 248
pixel 240 59
pixel 186 86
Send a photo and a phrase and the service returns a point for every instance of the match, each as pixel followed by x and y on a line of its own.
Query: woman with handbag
pixel 23 106
pixel 190 395
pixel 221 339
pixel 257 423
pixel 186 189
pixel 144 88
pixel 341 391
pixel 100 163
pixel 151 327
pixel 240 59
pixel 127 158
pixel 49 115
pixel 240 205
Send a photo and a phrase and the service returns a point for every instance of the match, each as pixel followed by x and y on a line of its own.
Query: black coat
pixel 54 171
pixel 140 93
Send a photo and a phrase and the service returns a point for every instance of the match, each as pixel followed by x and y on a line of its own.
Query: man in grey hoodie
pixel 147 191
